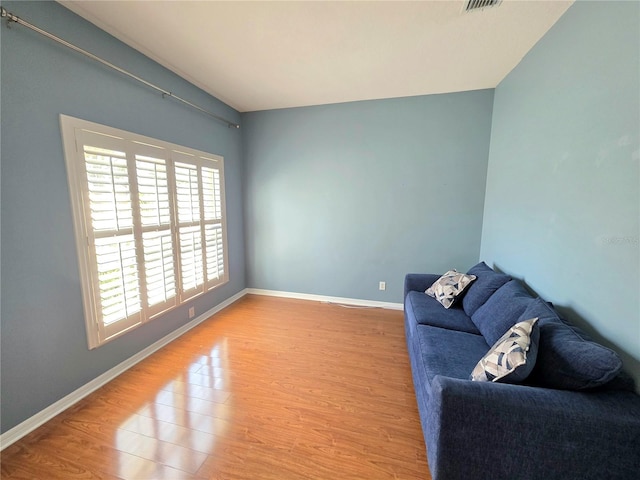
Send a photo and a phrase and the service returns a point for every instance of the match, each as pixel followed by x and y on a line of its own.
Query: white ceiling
pixel 263 55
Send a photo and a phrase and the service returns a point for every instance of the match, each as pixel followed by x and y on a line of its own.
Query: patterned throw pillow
pixel 447 288
pixel 512 357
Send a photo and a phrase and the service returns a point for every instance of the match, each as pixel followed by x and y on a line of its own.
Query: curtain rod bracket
pixel 9 16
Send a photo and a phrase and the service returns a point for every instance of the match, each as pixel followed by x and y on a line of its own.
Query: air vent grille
pixel 472 5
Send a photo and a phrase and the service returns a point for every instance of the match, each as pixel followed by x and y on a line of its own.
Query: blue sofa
pixel 576 416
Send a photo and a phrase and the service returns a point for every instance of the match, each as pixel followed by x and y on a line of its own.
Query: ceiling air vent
pixel 473 5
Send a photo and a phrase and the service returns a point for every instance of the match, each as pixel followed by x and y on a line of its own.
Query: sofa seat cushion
pixel 486 283
pixel 449 353
pixel 501 311
pixel 566 359
pixel 428 311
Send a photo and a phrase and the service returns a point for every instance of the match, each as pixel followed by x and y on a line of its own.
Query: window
pixel 149 219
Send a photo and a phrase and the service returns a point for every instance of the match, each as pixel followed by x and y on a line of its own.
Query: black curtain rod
pixel 165 93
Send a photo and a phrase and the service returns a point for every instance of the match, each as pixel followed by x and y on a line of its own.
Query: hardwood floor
pixel 268 388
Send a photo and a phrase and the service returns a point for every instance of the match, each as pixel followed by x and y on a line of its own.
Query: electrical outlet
pixel 192 312
pixel 382 286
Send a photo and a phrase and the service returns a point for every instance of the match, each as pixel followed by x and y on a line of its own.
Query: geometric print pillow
pixel 449 286
pixel 513 356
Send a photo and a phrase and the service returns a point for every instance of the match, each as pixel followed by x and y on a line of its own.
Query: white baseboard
pixel 31 423
pixel 323 298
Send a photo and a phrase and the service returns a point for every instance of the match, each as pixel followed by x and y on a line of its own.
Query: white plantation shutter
pixel 189 232
pixel 149 221
pixel 200 222
pixel 110 237
pixel 152 181
pixel 212 201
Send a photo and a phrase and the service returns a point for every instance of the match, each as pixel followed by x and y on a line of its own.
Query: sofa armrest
pixel 419 281
pixel 493 430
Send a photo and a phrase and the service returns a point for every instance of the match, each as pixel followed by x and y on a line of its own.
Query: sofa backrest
pixel 567 358
pixel 486 283
pixel 501 311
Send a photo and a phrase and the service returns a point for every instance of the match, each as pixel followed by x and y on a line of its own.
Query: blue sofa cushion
pixel 501 311
pixel 448 288
pixel 512 358
pixel 427 311
pixel 566 360
pixel 486 283
pixel 449 353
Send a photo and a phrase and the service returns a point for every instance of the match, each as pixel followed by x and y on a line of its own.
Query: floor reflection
pixel 181 423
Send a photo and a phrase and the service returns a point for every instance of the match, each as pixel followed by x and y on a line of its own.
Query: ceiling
pixel 262 55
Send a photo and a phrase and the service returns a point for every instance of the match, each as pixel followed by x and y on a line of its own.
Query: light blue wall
pixel 340 197
pixel 562 204
pixel 44 346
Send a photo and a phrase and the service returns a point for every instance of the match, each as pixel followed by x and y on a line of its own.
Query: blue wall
pixel 339 197
pixel 562 204
pixel 44 346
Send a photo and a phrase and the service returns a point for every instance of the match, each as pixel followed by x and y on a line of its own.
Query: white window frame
pixel 180 230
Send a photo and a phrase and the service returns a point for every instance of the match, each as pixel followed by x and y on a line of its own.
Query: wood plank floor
pixel 269 388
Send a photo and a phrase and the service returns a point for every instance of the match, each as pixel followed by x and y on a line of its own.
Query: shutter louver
pixel 211 194
pixel 215 252
pixel 159 271
pixel 187 193
pixel 191 258
pixel 108 183
pixel 118 278
pixel 153 191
